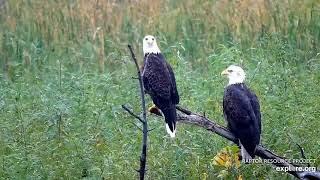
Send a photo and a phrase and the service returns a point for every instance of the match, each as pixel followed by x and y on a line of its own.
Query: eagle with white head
pixel 241 110
pixel 160 83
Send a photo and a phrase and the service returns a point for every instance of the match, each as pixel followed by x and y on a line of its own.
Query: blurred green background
pixel 66 71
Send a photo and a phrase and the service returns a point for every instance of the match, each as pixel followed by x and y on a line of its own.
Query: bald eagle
pixel 160 83
pixel 242 112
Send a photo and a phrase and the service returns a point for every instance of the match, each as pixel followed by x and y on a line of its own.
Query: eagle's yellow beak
pixel 224 72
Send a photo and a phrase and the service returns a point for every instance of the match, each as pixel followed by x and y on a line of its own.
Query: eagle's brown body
pixel 159 82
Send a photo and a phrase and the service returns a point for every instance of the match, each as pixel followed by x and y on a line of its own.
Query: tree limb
pixel 302 153
pixel 262 152
pixel 132 114
pixel 143 156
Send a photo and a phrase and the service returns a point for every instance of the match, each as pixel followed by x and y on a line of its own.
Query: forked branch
pixel 143 120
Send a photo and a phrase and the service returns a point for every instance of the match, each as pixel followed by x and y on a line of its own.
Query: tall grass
pixel 57 27
pixel 66 71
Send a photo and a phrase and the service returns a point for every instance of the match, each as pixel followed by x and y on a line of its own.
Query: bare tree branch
pixel 132 114
pixel 300 149
pixel 151 129
pixel 302 153
pixel 262 152
pixel 143 156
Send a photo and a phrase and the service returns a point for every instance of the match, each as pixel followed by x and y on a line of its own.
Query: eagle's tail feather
pixel 170 132
pixel 246 157
pixel 170 116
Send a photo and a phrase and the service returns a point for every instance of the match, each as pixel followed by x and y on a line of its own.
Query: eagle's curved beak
pixel 224 72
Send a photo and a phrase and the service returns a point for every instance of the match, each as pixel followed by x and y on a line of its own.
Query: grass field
pixel 66 71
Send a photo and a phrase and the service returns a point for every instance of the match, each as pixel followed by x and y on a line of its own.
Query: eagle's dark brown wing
pixel 174 92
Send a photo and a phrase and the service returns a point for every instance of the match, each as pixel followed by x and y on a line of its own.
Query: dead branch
pixel 143 120
pixel 262 152
pixel 132 114
pixel 302 153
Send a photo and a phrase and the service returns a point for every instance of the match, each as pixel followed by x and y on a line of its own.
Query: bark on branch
pixel 262 152
pixel 143 120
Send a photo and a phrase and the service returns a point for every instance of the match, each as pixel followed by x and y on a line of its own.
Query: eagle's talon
pixel 155 110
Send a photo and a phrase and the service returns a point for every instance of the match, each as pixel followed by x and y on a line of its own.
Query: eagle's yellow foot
pixel 155 110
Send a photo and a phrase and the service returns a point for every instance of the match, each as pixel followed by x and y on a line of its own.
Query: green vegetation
pixel 67 71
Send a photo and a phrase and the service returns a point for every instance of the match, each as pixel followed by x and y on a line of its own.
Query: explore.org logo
pixel 291 168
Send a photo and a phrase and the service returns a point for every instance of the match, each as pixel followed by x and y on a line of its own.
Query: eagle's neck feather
pixel 237 80
pixel 151 49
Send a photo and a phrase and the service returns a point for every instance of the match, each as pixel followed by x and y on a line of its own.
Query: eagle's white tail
pixel 246 158
pixel 171 133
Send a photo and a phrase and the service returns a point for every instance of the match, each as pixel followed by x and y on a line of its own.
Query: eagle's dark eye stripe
pixel 146 39
pixel 230 70
pixel 152 39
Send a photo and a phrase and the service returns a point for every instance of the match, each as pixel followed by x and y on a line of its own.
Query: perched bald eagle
pixel 242 112
pixel 160 83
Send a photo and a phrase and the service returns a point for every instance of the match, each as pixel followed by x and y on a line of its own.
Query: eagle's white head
pixel 150 45
pixel 235 74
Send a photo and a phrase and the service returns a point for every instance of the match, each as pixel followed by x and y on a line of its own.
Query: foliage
pixel 66 72
pixel 228 158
